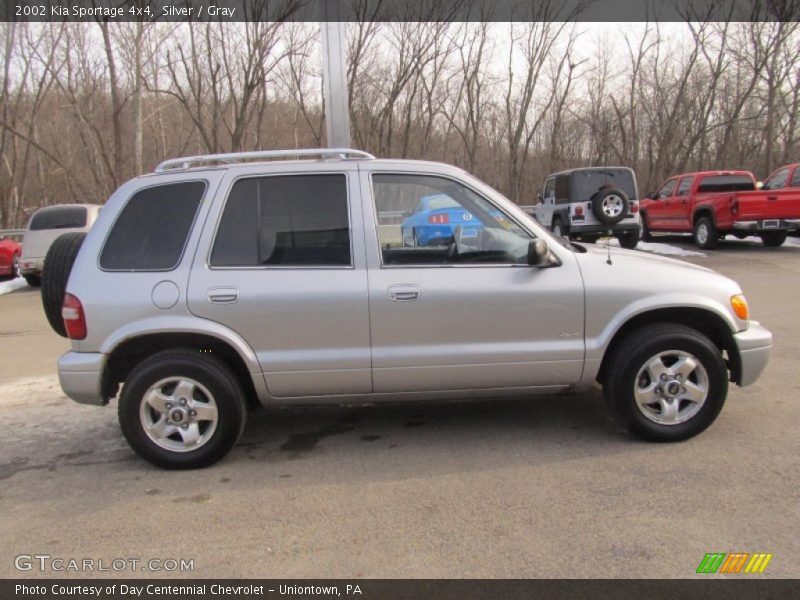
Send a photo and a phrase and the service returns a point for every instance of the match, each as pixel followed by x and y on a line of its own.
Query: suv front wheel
pixel 666 383
pixel 180 409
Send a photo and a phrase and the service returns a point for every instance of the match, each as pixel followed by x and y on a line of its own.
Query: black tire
pixel 415 237
pixel 773 239
pixel 620 200
pixel 33 280
pixel 647 236
pixel 707 239
pixel 210 372
pixel 55 274
pixel 628 239
pixel 634 351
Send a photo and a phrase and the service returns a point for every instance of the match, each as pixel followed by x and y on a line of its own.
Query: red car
pixel 9 257
pixel 711 204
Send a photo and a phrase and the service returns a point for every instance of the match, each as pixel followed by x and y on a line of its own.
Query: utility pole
pixel 334 74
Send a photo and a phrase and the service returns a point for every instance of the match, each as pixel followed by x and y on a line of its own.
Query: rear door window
pixel 796 177
pixel 151 232
pixel 59 217
pixel 726 183
pixel 285 220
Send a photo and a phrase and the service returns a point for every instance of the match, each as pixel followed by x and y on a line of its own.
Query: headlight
pixel 739 305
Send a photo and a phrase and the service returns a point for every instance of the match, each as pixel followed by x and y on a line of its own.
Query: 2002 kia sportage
pixel 218 278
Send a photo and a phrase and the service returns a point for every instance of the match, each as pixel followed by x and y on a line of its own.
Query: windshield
pixel 440 202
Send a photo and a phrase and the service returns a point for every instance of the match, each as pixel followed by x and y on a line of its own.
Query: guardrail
pixel 12 233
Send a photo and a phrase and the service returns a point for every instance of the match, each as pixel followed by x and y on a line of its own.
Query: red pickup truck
pixel 711 204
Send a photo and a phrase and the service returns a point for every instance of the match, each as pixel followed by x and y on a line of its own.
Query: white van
pixel 45 226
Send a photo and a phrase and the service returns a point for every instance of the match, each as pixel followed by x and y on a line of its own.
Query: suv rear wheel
pixel 666 383
pixel 628 239
pixel 180 409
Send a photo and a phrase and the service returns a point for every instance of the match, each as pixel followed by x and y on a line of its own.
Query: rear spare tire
pixel 55 274
pixel 610 206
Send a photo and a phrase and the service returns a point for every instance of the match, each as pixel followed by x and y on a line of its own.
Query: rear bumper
pixel 81 374
pixel 767 225
pixel 31 266
pixel 576 228
pixel 754 345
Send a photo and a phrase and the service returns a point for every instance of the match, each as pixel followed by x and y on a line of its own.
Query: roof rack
pixel 176 164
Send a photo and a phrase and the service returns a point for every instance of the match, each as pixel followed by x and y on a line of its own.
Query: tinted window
pixel 59 217
pixel 295 220
pixel 685 186
pixel 726 183
pixel 586 184
pixel 796 177
pixel 151 231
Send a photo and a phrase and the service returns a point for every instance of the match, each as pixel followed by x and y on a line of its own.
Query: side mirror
pixel 537 252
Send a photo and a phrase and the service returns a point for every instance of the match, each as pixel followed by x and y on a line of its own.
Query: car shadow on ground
pixel 730 243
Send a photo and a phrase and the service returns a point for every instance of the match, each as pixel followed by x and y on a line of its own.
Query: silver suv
pixel 221 278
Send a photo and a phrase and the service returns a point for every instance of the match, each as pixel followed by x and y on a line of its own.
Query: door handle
pixel 223 295
pixel 772 197
pixel 403 293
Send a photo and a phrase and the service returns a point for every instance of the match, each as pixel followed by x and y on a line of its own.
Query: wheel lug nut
pixel 183 401
pixel 185 425
pixel 169 405
pixel 663 377
pixel 193 413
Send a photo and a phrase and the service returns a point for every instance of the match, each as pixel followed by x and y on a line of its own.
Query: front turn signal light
pixel 739 305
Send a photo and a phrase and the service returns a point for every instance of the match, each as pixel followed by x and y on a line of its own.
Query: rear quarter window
pixel 150 233
pixel 59 217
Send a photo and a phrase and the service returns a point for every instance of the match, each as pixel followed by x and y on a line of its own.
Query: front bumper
pixel 754 345
pixel 767 225
pixel 81 375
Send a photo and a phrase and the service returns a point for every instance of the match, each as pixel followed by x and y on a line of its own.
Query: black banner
pixel 399 10
pixel 397 589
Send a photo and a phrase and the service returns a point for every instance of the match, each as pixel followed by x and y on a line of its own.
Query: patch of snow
pixel 12 284
pixel 664 249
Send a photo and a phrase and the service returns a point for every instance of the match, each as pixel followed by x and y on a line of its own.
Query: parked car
pixel 9 257
pixel 712 204
pixel 787 176
pixel 220 278
pixel 45 225
pixel 435 219
pixel 589 202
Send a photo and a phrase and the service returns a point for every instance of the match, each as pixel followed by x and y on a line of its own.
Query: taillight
pixel 442 219
pixel 634 207
pixel 734 205
pixel 579 211
pixel 74 319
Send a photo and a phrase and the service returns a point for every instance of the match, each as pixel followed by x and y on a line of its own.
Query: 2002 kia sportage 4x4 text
pixel 219 278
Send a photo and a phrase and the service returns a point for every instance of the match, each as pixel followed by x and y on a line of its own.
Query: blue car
pixel 435 218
